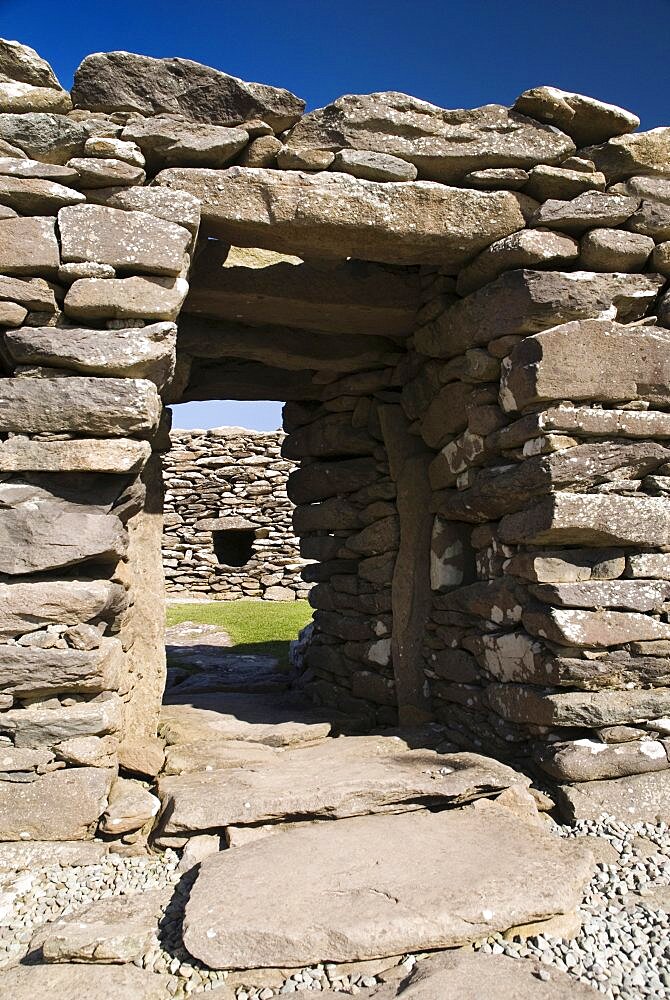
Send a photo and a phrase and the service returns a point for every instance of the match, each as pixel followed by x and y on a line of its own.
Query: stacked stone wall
pixel 224 479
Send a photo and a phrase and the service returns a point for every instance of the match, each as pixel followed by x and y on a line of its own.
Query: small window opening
pixel 233 546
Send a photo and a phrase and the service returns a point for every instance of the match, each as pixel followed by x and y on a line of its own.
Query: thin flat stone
pixel 638 798
pixel 31 855
pixel 61 805
pixel 72 981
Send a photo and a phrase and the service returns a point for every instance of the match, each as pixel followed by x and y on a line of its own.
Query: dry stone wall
pixel 466 313
pixel 228 529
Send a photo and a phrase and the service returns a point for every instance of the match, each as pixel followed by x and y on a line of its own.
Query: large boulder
pixel 443 144
pixel 124 81
pixel 379 885
pixel 336 215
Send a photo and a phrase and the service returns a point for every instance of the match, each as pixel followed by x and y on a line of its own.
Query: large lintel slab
pixel 334 215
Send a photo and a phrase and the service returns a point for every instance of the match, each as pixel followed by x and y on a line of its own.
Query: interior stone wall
pixel 229 478
pixel 466 315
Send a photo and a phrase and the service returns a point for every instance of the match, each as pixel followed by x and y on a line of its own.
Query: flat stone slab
pixel 114 930
pixel 204 755
pixel 20 854
pixel 199 661
pixel 336 779
pixel 72 982
pixel 336 215
pixel 469 975
pixel 380 885
pixel 60 805
pixel 638 798
pixel 276 720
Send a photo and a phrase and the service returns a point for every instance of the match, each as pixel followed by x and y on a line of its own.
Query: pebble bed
pixel 623 949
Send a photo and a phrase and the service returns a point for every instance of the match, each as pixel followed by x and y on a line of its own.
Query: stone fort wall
pixel 227 528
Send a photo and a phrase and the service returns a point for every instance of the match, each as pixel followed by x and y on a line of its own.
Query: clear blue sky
pixel 456 53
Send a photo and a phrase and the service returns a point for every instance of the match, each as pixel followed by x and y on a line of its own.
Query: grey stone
pixel 335 215
pixel 584 422
pixel 32 293
pixel 32 672
pixel 21 855
pixel 626 155
pixel 567 565
pixel 649 564
pixel 444 145
pixel 61 805
pixel 69 981
pixel 527 248
pixel 48 137
pixel 635 595
pixel 586 211
pixel 653 188
pixel 22 63
pixel 660 258
pixel 615 250
pixel 381 885
pixel 29 605
pixel 98 172
pixel 591 760
pixel 32 196
pixel 651 219
pixel 585 119
pixel 261 152
pixel 374 166
pixel 131 806
pixel 113 81
pixel 108 407
pixel 110 931
pixel 12 314
pixel 170 142
pixel 592 629
pixel 637 798
pixel 524 302
pixel 121 455
pixel 29 246
pixel 524 704
pixel 546 182
pixel 304 159
pixel 89 751
pixel 44 727
pixel 496 178
pixel 137 297
pixel 128 240
pixel 115 149
pixel 17 97
pixel 172 206
pixel 44 537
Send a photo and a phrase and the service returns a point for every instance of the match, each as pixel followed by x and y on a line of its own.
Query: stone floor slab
pixel 72 982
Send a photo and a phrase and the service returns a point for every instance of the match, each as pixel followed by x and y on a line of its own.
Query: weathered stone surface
pixel 170 142
pixel 21 454
pixel 468 975
pixel 660 258
pixel 105 407
pixel 12 314
pixel 574 519
pixel 129 241
pixel 328 436
pixel 591 760
pixel 98 172
pixel 31 672
pixel 615 250
pixel 335 215
pixel 261 152
pixel 89 751
pixel 115 930
pixel 21 855
pixel 201 755
pixel 567 565
pixel 69 982
pixel 631 594
pixel 275 720
pixel 444 145
pixel 649 564
pixel 44 727
pixel 403 883
pixel 131 806
pixel 595 629
pixel 126 298
pixel 527 248
pixel 10 166
pixel 626 155
pixel 261 287
pixel 32 196
pixel 336 779
pixel 546 182
pixel 29 246
pixel 27 606
pixel 173 206
pixel 638 798
pixel 651 219
pixel 45 536
pixel 48 137
pixel 373 166
pixel 654 188
pixel 114 81
pixel 524 302
pixel 595 360
pixel 61 805
pixel 22 63
pixel 585 119
pixel 304 159
pixel 523 704
pixel 116 149
pixel 583 422
pixel 21 98
pixel 495 178
pixel 593 208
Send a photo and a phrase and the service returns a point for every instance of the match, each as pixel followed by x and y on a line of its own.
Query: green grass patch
pixel 262 627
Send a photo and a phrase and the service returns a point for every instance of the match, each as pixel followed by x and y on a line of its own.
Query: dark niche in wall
pixel 233 546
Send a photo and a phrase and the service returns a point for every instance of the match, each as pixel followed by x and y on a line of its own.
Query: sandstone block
pixel 653 188
pixel 20 454
pixel 108 407
pixel 29 246
pixel 44 536
pixel 567 565
pixel 586 211
pixel 639 798
pixel 10 166
pixel 527 248
pixel 591 760
pixel 336 215
pixel 26 606
pixel 128 240
pixel 444 145
pixel 32 672
pixel 172 206
pixel 585 119
pixel 110 81
pixel 660 258
pixel 170 142
pixel 261 152
pixel 131 806
pixel 126 298
pixel 545 182
pixel 61 805
pixel 649 564
pixel 523 302
pixel 98 172
pixel 408 908
pixel 592 629
pixel 524 704
pixel 495 178
pixel 373 166
pixel 634 595
pixel 651 219
pixel 68 982
pixel 595 360
pixel 22 63
pixel 625 155
pixel 21 98
pixel 24 854
pixel 32 196
pixel 116 149
pixel 12 314
pixel 615 250
pixel 45 727
pixel 51 138
pixel 145 353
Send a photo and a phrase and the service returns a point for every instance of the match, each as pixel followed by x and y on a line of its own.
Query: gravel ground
pixel 623 949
